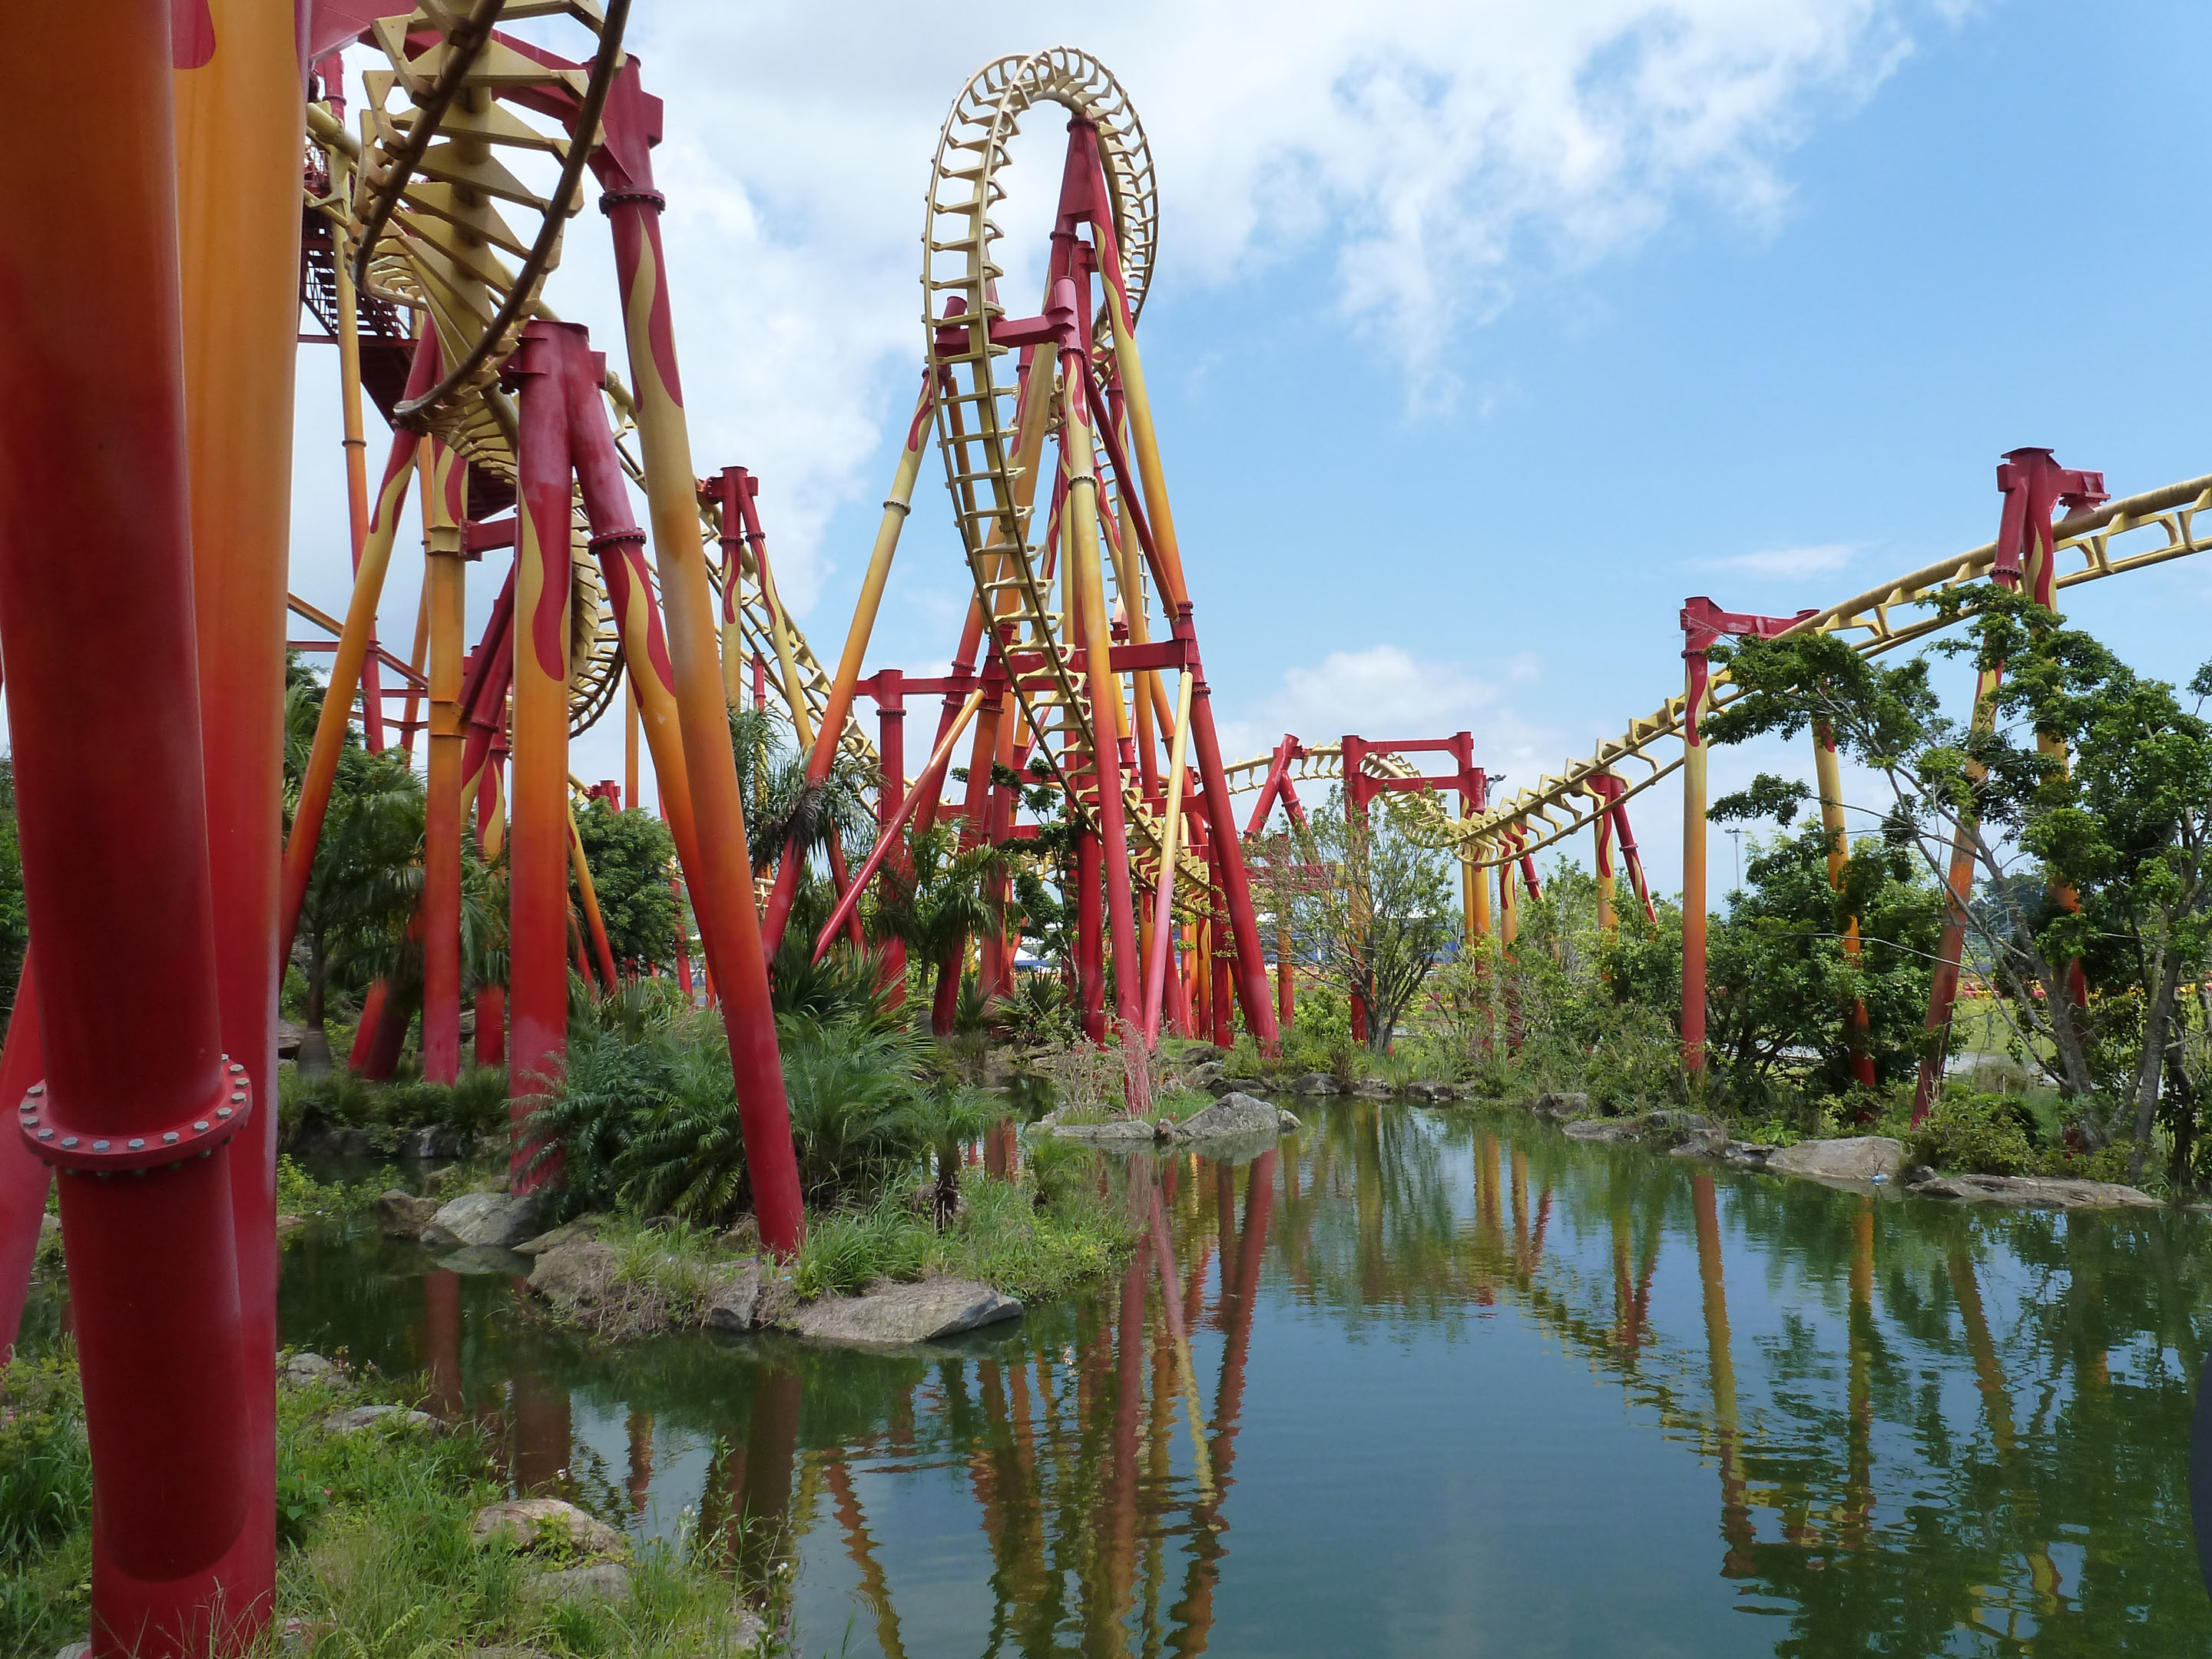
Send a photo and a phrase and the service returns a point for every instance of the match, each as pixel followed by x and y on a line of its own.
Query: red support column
pixel 1089 944
pixel 23 1178
pixel 890 794
pixel 538 841
pixel 97 611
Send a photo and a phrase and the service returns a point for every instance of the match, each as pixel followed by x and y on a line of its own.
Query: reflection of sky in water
pixel 1473 1419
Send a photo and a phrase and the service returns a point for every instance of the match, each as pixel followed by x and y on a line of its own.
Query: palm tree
pixel 934 904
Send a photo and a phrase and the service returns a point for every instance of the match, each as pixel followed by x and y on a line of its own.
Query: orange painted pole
pixel 537 849
pixel 722 890
pixel 1829 771
pixel 97 617
pixel 1083 555
pixel 896 506
pixel 491 840
pixel 590 896
pixel 349 665
pixel 240 107
pixel 446 595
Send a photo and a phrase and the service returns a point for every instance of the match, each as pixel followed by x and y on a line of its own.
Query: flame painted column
pixel 446 594
pixel 722 889
pixel 97 623
pixel 239 85
pixel 537 836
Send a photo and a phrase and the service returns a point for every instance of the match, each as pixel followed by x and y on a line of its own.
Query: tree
pixel 782 808
pixel 630 855
pixel 1382 913
pixel 2102 862
pixel 932 900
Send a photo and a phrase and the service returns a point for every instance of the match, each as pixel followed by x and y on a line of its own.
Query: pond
pixel 1420 1381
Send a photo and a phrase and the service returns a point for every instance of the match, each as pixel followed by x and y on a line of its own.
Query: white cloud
pixel 1443 155
pixel 1786 561
pixel 1384 692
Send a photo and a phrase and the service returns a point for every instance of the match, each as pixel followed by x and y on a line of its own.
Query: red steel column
pixel 890 794
pixel 96 621
pixel 1090 945
pixel 538 838
pixel 241 102
pixel 23 1179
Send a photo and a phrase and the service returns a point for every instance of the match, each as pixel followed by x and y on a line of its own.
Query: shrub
pixel 849 1250
pixel 1976 1134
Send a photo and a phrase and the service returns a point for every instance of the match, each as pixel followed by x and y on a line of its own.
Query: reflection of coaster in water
pixel 2200 1473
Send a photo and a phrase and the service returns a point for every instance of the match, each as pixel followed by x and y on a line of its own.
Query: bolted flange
pixel 76 1151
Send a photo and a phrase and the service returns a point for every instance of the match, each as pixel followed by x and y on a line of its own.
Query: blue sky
pixel 1482 335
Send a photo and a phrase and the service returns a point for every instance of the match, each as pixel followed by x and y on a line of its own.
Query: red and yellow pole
pixel 1829 772
pixel 447 591
pixel 97 615
pixel 1693 867
pixel 721 892
pixel 538 838
pixel 239 113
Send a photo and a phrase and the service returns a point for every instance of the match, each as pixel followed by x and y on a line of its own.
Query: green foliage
pixel 1978 1134
pixel 474 1104
pixel 1035 1239
pixel 854 1092
pixel 300 1194
pixel 630 855
pixel 1039 1009
pixel 46 1472
pixel 782 808
pixel 1382 916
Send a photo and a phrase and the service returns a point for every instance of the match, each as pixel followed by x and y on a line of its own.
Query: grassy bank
pixel 376 1556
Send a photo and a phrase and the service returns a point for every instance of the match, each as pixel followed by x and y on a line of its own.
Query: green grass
pixel 1001 1236
pixel 376 1556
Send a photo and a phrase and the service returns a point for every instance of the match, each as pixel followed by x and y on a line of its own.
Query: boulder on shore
pixel 1857 1158
pixel 1561 1105
pixel 745 1301
pixel 2036 1192
pixel 602 1581
pixel 529 1523
pixel 302 1369
pixel 894 1315
pixel 498 1219
pixel 1607 1131
pixel 1203 1075
pixel 1229 1116
pixel 402 1215
pixel 569 1232
pixel 574 1275
pixel 1316 1083
pixel 1238 1085
pixel 1113 1132
pixel 374 1417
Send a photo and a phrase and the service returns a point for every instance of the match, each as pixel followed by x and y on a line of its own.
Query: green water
pixel 1448 1384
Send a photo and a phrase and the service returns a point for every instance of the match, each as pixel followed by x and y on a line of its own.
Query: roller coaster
pixel 217 191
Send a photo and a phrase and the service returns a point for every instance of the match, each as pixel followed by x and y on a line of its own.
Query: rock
pixel 744 1238
pixel 1202 1075
pixel 570 1232
pixel 501 1218
pixel 1231 1114
pixel 289 1038
pixel 370 1417
pixel 575 1275
pixel 1239 1085
pixel 1917 1174
pixel 1561 1105
pixel 75 1650
pixel 1426 1090
pixel 1198 1054
pixel 432 1140
pixel 1316 1083
pixel 1286 1123
pixel 1857 1158
pixel 546 1524
pixel 2036 1192
pixel 603 1580
pixel 1749 1154
pixel 1114 1130
pixel 302 1369
pixel 317 1137
pixel 481 1259
pixel 1373 1088
pixel 889 1315
pixel 737 1305
pixel 400 1214
pixel 1610 1130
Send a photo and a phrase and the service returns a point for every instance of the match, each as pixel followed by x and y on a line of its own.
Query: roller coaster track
pixel 991 427
pixel 2131 534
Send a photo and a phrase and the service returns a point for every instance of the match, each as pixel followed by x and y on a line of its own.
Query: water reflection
pixel 1422 1383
